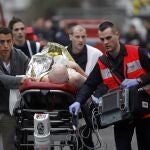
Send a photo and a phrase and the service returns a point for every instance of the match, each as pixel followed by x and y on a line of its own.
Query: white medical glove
pixel 127 83
pixel 74 108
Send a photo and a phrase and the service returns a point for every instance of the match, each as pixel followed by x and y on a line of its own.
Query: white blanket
pixel 14 100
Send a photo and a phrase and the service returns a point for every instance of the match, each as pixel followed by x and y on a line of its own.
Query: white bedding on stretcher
pixel 14 100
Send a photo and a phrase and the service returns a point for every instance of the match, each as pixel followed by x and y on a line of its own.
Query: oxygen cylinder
pixel 41 131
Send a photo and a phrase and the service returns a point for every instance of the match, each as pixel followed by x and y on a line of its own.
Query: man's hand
pixel 27 78
pixel 127 83
pixel 74 108
pixel 76 67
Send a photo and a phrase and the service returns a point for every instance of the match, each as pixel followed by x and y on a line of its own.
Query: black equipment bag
pixel 139 101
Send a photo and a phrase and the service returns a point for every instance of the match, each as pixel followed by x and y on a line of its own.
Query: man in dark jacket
pixel 17 27
pixel 12 62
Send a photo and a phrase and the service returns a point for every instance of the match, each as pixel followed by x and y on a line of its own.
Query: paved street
pixel 108 139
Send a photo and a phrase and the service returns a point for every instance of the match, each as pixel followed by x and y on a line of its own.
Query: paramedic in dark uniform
pixel 133 64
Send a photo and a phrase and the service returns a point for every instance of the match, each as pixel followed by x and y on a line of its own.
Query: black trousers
pixel 123 133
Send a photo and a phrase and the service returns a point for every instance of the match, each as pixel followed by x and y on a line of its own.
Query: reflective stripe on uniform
pixel 133 66
pixel 106 73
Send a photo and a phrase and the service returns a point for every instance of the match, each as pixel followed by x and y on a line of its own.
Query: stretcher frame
pixel 61 129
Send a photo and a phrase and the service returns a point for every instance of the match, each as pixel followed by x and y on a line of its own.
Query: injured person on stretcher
pixel 54 64
pixel 60 73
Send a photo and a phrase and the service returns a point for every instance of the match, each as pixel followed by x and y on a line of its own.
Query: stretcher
pixel 45 98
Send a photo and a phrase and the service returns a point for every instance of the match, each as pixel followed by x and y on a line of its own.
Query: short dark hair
pixel 13 21
pixel 5 30
pixel 106 24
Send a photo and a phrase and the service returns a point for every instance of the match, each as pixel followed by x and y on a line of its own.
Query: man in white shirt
pixel 86 57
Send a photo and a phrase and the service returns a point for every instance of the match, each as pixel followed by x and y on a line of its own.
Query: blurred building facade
pixel 12 8
pixel 86 9
pixel 122 12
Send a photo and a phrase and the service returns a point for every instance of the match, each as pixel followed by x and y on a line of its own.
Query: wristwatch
pixel 139 80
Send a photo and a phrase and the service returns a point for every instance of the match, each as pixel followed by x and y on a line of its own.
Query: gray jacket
pixel 18 66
